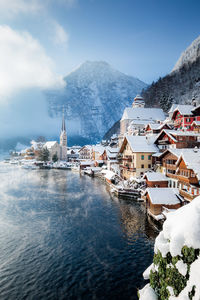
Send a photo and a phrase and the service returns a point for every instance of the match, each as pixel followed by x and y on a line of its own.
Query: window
pixel 149 157
pixel 149 166
pixel 142 157
pixel 142 166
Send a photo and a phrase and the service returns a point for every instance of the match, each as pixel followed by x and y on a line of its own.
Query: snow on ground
pixel 182 228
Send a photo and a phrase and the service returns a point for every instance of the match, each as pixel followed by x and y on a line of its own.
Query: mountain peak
pixel 189 55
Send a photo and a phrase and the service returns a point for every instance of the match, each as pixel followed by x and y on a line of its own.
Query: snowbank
pixel 175 272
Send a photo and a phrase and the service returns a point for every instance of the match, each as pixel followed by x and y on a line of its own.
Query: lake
pixel 64 236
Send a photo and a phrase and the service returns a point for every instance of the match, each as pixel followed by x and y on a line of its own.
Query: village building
pixel 156 179
pixel 184 115
pixel 188 174
pixel 72 154
pixel 85 153
pixel 166 164
pixel 159 199
pixel 135 156
pixel 112 157
pixel 139 116
pixel 99 154
pixel 177 139
pixel 156 128
pixel 114 141
pixel 195 126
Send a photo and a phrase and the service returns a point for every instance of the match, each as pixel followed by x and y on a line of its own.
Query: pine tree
pixel 55 157
pixel 44 154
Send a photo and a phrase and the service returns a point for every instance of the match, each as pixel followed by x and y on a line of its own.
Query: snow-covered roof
pixel 163 196
pixel 87 163
pixel 157 154
pixel 156 125
pixel 109 174
pixel 184 109
pixel 99 148
pixel 155 176
pixel 174 133
pixel 173 107
pixel 141 144
pixel 191 158
pixel 143 114
pixel 50 144
pixel 89 147
pixel 112 150
pixel 196 123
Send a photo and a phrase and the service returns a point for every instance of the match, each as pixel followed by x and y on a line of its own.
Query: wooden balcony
pixel 129 168
pixel 127 159
pixel 186 195
pixel 170 175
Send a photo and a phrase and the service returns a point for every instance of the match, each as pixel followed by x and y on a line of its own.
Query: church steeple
pixel 63 122
pixel 63 134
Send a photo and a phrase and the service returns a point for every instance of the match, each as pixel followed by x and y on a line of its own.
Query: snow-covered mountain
pixel 94 99
pixel 182 85
pixel 189 55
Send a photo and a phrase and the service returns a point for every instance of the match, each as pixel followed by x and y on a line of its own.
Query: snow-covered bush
pixel 175 271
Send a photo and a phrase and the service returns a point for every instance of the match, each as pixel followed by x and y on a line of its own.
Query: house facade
pixel 135 156
pixel 184 115
pixel 176 139
pixel 85 153
pixel 188 174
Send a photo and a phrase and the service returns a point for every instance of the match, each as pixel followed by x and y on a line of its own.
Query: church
pixel 138 116
pixel 59 149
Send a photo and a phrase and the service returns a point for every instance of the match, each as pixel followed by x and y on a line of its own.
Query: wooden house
pixel 156 179
pixel 188 174
pixel 176 139
pixel 184 115
pixel 159 198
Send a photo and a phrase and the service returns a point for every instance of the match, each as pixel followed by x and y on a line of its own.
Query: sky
pixel 140 38
pixel 43 40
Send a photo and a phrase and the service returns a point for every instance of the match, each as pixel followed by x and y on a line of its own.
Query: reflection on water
pixel 62 236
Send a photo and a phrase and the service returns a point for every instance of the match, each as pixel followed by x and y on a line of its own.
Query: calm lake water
pixel 63 236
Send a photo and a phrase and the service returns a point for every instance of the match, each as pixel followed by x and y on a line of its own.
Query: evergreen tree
pixel 55 157
pixel 44 154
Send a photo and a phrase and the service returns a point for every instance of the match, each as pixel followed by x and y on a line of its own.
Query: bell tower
pixel 138 102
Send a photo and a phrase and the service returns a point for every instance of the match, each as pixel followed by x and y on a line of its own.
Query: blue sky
pixel 43 40
pixel 140 38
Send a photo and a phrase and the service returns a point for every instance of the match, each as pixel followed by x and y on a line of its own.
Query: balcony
pixel 129 159
pixel 186 195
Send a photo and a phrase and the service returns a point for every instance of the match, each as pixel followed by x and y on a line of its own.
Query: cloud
pixel 24 63
pixel 60 35
pixel 10 8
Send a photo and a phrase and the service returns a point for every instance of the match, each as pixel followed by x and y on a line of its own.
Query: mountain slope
pixel 94 99
pixel 181 85
pixel 190 55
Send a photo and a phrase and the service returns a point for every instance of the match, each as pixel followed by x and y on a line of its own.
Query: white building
pixel 138 116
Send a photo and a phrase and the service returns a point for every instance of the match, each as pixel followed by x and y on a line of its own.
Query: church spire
pixel 63 122
pixel 63 134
